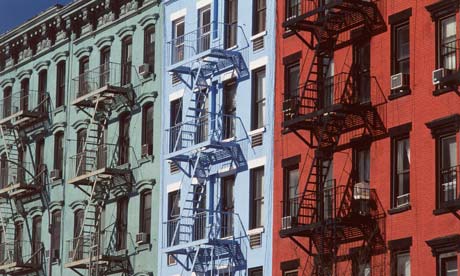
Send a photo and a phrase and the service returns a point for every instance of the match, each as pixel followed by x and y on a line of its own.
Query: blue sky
pixel 15 12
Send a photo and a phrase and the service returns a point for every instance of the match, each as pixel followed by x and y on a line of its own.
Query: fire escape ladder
pixel 11 142
pixel 6 214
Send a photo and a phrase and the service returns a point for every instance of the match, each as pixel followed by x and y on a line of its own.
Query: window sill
pixel 256 36
pixel 400 209
pixel 56 182
pixel 143 247
pixel 58 110
pixel 443 90
pixel 287 33
pixel 256 131
pixel 256 231
pixel 146 159
pixel 149 78
pixel 56 261
pixel 396 95
pixel 447 207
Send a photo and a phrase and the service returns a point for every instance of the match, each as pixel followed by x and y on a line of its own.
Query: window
pixel 77 234
pixel 147 126
pixel 40 160
pixel 122 223
pixel 258 271
pixel 448 266
pixel 362 61
pixel 259 16
pixel 36 238
pixel 291 76
pixel 401 171
pixel 55 234
pixel 174 121
pixel 401 266
pixel 104 68
pixel 58 150
pixel 80 165
pixel 362 165
pixel 146 212
pixel 149 47
pixel 447 43
pixel 123 139
pixel 329 97
pixel 173 214
pixel 448 169
pixel 291 188
pixel 258 98
pixel 231 23
pixel 24 101
pixel 229 108
pixel 7 101
pixel 401 50
pixel 4 171
pixel 42 90
pixel 126 60
pixel 178 40
pixel 360 267
pixel 227 205
pixel 257 198
pixel 18 239
pixel 204 29
pixel 291 273
pixel 83 79
pixel 293 8
pixel 60 83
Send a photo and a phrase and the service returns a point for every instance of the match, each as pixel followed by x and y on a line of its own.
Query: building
pixel 366 134
pixel 218 138
pixel 79 132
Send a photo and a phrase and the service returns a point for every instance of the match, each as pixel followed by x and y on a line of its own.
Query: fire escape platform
pixel 185 248
pixel 217 147
pixel 19 268
pixel 19 189
pixel 101 260
pixel 24 118
pixel 105 94
pixel 100 174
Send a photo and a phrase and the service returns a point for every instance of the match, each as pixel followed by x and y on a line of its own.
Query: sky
pixel 15 12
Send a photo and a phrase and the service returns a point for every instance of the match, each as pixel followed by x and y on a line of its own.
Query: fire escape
pixel 334 110
pixel 20 181
pixel 99 168
pixel 201 238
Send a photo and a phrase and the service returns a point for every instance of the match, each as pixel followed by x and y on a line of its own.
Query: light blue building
pixel 217 166
pixel 80 134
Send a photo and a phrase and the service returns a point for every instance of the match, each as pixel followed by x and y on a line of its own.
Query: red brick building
pixel 367 138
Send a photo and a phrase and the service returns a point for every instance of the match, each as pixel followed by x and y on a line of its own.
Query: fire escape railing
pixel 200 41
pixel 449 191
pixel 20 253
pixel 24 101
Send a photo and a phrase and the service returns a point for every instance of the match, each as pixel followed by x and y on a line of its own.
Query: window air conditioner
pixel 287 222
pixel 399 81
pixel 144 70
pixel 55 174
pixel 146 150
pixel 142 238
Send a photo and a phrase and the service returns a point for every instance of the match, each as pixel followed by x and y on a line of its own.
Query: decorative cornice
pixel 56 127
pixel 444 125
pixel 442 8
pixel 55 205
pixel 24 74
pixel 42 65
pixel 85 51
pixel 126 30
pixel 35 211
pixel 60 56
pixel 444 244
pixel 79 124
pixel 146 184
pixel 78 204
pixel 148 20
pixel 147 97
pixel 105 41
pixel 7 82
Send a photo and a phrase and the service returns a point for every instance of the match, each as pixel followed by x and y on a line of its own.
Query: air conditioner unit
pixel 399 81
pixel 288 222
pixel 147 149
pixel 55 174
pixel 142 238
pixel 440 74
pixel 361 190
pixel 144 70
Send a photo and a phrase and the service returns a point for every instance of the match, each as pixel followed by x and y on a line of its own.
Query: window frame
pixel 395 60
pixel 124 128
pixel 259 16
pixel 60 83
pixel 56 220
pixel 126 60
pixel 253 270
pixel 149 47
pixel 58 150
pixel 147 124
pixel 442 259
pixel 394 171
pixel 440 43
pixel 121 223
pixel 257 204
pixel 439 167
pixel 256 102
pixel 145 216
pixel 287 188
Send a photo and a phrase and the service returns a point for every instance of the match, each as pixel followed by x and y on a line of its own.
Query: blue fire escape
pixel 203 240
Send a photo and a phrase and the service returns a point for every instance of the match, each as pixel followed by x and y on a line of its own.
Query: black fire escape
pixel 329 112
